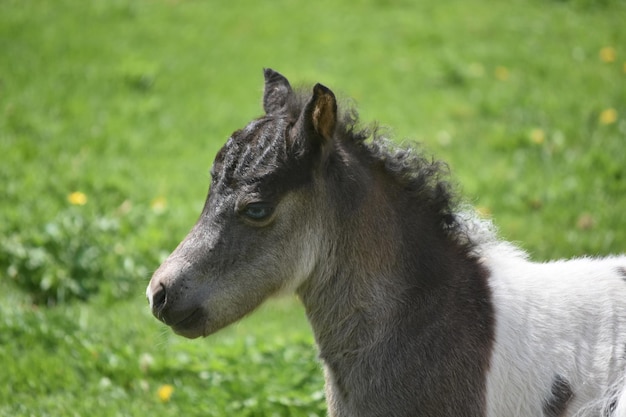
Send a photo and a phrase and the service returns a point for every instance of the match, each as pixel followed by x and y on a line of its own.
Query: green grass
pixel 128 101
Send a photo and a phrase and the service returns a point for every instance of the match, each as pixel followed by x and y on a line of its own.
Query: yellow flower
pixel 502 73
pixel 165 392
pixel 608 116
pixel 607 54
pixel 158 205
pixel 77 198
pixel 537 136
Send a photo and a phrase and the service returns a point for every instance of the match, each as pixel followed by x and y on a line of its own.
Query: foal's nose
pixel 157 297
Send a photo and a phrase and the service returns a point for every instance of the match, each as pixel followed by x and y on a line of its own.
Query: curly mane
pixel 419 174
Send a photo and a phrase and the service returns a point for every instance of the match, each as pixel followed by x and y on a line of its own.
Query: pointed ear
pixel 320 113
pixel 277 91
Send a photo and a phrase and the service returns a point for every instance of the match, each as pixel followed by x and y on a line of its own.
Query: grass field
pixel 112 110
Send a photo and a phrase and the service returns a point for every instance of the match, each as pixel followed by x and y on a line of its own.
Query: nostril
pixel 158 298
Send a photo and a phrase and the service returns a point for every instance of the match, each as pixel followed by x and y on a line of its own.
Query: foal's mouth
pixel 191 326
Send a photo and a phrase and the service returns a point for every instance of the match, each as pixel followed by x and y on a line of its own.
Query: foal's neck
pixel 398 306
pixel 386 257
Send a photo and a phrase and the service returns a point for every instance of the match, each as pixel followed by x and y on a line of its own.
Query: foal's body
pixel 496 335
pixel 560 340
pixel 417 308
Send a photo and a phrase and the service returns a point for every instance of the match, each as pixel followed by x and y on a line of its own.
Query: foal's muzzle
pixel 169 305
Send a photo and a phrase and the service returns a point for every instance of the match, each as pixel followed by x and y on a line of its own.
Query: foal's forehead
pixel 251 153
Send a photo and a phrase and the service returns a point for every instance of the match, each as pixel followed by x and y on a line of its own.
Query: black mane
pixel 421 176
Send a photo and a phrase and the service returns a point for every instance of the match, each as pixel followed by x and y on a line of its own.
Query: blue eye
pixel 258 211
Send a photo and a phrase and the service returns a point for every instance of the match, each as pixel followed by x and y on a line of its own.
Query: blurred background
pixel 111 112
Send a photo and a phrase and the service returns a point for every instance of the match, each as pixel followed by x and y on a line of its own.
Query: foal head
pixel 259 231
pixel 298 194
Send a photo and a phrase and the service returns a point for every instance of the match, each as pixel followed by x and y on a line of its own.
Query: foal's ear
pixel 320 113
pixel 277 91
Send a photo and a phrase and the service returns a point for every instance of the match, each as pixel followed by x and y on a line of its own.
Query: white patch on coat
pixel 562 318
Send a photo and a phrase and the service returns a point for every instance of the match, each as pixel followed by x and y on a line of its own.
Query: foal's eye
pixel 258 211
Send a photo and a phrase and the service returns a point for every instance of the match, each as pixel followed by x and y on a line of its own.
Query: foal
pixel 416 307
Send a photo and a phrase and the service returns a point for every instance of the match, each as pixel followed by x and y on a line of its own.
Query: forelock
pixel 252 152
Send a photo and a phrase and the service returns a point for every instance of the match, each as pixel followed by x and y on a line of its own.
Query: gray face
pixel 249 243
pixel 259 231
